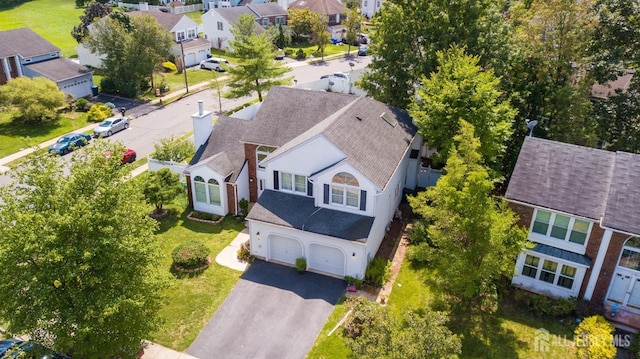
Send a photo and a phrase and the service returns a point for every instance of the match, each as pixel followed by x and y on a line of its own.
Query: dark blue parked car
pixel 14 348
pixel 69 142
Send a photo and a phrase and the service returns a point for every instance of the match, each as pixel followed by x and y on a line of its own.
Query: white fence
pixel 172 9
pixel 175 167
pixel 428 177
pixel 186 9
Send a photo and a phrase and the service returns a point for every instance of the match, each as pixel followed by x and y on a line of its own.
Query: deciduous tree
pixel 257 69
pixel 301 22
pixel 78 258
pixel 161 187
pixel 471 238
pixel 133 47
pixel 92 13
pixel 461 89
pixel 353 25
pixel 37 99
pixel 320 36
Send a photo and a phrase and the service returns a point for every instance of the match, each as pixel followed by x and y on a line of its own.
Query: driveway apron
pixel 272 312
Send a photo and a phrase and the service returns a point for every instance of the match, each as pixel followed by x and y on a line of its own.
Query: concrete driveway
pixel 273 312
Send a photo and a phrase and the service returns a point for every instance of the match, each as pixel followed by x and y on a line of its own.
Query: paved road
pixel 152 124
pixel 272 312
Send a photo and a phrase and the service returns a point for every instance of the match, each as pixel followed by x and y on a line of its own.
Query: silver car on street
pixel 110 126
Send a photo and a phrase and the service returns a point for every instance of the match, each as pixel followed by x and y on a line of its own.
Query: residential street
pixel 174 119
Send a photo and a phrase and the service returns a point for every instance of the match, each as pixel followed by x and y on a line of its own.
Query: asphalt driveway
pixel 273 312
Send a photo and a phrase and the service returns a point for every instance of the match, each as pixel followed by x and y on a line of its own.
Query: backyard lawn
pixel 509 333
pixel 51 19
pixel 194 298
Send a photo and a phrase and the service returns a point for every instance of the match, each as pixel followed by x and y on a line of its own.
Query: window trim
pixel 293 189
pixel 565 243
pixel 206 192
pixel 344 188
pixel 558 275
pixel 263 150
pixel 215 184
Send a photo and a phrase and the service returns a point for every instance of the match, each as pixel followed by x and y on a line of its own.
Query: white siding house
pixel 326 172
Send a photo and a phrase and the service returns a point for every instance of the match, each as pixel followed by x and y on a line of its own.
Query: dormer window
pixel 345 190
pixel 558 226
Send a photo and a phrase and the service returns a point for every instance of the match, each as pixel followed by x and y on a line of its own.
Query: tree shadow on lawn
pixel 17 127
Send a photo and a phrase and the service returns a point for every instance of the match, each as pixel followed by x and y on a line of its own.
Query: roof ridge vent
pixel 389 119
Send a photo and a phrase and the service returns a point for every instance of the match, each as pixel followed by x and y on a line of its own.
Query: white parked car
pixel 214 63
pixel 110 126
pixel 341 75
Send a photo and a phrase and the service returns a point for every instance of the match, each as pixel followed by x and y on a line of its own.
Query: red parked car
pixel 128 156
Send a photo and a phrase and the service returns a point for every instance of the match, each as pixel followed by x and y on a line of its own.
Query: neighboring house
pixel 370 7
pixel 334 11
pixel 25 53
pixel 325 173
pixel 582 208
pixel 217 23
pixel 183 30
pixel 621 84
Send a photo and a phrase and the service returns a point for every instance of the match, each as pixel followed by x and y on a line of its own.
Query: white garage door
pixel 326 259
pixel 284 249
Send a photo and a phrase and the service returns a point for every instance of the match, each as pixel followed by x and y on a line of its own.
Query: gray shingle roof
pixel 223 151
pixel 232 15
pixel 623 203
pixel 167 20
pixel 582 181
pixel 325 7
pixel 275 208
pixel 59 69
pixel 562 254
pixel 24 42
pixel 267 9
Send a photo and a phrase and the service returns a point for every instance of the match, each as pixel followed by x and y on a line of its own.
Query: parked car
pixel 7 344
pixel 279 54
pixel 128 156
pixel 18 349
pixel 335 74
pixel 214 63
pixel 110 126
pixel 69 142
pixel 362 50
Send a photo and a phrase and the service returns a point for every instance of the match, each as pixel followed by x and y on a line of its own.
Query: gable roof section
pixel 59 69
pixel 623 204
pixel 24 42
pixel 232 15
pixel 562 177
pixel 167 20
pixel 223 151
pixel 275 208
pixel 621 83
pixel 267 9
pixel 286 113
pixel 587 182
pixel 373 145
pixel 324 7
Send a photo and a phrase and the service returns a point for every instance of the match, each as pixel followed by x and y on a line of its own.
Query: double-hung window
pixel 292 182
pixel 200 189
pixel 559 226
pixel 549 271
pixel 214 192
pixel 345 190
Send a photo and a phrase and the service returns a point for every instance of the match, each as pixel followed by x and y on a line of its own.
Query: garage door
pixel 283 249
pixel 326 259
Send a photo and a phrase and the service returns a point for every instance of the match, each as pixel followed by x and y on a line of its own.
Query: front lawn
pixel 194 298
pixel 51 19
pixel 509 333
pixel 15 136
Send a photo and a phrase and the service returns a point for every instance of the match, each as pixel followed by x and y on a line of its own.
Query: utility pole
pixel 184 66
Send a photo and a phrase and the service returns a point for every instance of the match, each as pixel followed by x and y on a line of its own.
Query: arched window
pixel 345 190
pixel 630 257
pixel 214 192
pixel 262 152
pixel 199 189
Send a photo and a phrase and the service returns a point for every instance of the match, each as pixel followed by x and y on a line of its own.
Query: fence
pixel 175 167
pixel 428 177
pixel 172 9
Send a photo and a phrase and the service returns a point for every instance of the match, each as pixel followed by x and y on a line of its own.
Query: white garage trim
pixel 284 249
pixel 326 259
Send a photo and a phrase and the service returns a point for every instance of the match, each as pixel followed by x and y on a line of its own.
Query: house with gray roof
pixel 582 208
pixel 217 22
pixel 25 53
pixel 325 173
pixel 183 30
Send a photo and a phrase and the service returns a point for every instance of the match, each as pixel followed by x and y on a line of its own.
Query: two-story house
pixel 25 53
pixel 183 30
pixel 582 208
pixel 325 173
pixel 333 10
pixel 218 22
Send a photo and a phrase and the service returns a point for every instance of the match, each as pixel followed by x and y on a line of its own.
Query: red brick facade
pixel 231 198
pixel 250 155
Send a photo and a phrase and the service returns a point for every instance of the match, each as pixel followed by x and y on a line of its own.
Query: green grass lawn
pixel 51 19
pixel 194 299
pixel 17 136
pixel 509 333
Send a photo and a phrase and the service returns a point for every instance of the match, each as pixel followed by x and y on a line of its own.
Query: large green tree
pixel 470 238
pixel 409 34
pixel 161 187
pixel 133 47
pixel 373 332
pixel 301 22
pixel 461 89
pixel 95 11
pixel 353 24
pixel 320 36
pixel 78 258
pixel 36 99
pixel 257 69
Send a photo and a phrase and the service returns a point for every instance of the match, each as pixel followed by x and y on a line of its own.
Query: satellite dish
pixel 531 124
